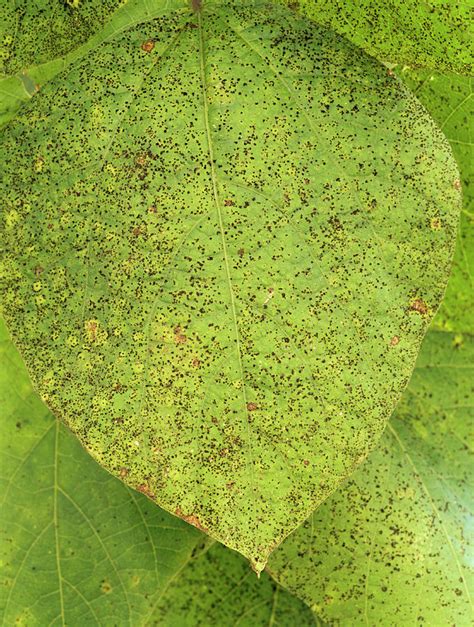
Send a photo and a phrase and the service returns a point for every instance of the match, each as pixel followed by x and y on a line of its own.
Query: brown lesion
pixel 147 46
pixel 196 5
pixel 192 519
pixel 419 306
pixel 179 336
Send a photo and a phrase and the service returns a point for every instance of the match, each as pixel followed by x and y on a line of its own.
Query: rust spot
pixel 123 472
pixel 435 224
pixel 419 306
pixel 191 519
pixel 306 181
pixel 38 270
pixel 390 73
pixel 228 202
pixel 252 406
pixel 457 185
pixel 148 45
pixel 223 452
pixel 196 5
pixel 395 340
pixel 196 362
pixel 179 336
pixel 192 25
pixel 152 209
pixel 306 462
pixel 230 485
pixel 137 231
pixel 145 489
pixel 118 387
pixel 241 252
pixel 91 329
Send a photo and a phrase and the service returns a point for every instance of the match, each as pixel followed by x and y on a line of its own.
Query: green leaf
pixel 450 100
pixel 428 34
pixel 395 541
pixel 39 31
pixel 80 548
pixel 221 257
pixel 28 69
pixel 220 589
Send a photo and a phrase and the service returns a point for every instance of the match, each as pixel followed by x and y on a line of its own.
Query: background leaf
pixel 221 258
pixel 450 100
pixel 429 34
pixel 80 548
pixel 396 540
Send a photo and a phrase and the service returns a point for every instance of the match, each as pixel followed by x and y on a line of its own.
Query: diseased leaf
pixel 450 100
pixel 430 34
pixel 396 539
pixel 39 31
pixel 221 258
pixel 27 69
pixel 80 548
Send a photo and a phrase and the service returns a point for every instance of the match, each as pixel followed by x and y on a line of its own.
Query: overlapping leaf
pixel 450 100
pixel 396 540
pixel 429 34
pixel 221 257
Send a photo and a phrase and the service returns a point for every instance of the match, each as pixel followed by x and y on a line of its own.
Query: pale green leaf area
pixel 430 34
pixel 37 31
pixel 41 39
pixel 394 545
pixel 80 548
pixel 450 100
pixel 221 257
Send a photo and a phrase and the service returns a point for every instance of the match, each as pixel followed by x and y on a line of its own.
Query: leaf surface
pixel 221 258
pixel 35 50
pixel 450 100
pixel 430 34
pixel 80 548
pixel 396 539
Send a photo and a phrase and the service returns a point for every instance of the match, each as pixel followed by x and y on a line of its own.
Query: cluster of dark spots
pixel 419 306
pixel 147 46
pixel 18 425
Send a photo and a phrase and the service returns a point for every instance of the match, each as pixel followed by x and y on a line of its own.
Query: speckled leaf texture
pixel 80 548
pixel 221 257
pixel 33 32
pixel 430 34
pixel 450 100
pixel 394 545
